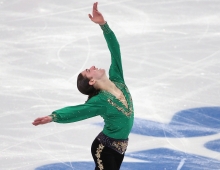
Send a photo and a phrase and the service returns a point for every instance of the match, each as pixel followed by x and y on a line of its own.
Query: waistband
pixel 119 145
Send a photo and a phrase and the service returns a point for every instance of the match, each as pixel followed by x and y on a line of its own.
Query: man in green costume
pixel 108 98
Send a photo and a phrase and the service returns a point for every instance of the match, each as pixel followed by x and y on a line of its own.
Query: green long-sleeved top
pixel 117 117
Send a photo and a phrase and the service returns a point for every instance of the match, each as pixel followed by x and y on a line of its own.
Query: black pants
pixel 105 158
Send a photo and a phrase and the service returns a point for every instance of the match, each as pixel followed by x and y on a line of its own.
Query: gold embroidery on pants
pixel 120 146
pixel 98 155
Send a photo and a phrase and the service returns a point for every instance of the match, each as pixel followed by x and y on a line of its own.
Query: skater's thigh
pixel 111 159
pixel 105 157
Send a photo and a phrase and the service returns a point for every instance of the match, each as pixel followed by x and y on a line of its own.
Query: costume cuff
pixel 54 117
pixel 106 29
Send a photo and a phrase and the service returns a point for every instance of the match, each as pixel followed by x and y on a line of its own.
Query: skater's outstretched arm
pixel 91 108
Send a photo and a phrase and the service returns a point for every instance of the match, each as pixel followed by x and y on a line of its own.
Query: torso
pixel 124 103
pixel 118 94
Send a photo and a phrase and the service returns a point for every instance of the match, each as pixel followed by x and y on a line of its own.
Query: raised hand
pixel 97 16
pixel 42 120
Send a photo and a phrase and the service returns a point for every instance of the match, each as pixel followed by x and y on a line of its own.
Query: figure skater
pixel 108 98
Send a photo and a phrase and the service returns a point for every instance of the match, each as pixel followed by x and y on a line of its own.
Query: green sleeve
pixel 79 112
pixel 115 71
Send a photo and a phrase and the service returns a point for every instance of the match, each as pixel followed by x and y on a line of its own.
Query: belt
pixel 119 145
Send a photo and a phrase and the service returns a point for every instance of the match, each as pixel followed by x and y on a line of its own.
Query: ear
pixel 92 82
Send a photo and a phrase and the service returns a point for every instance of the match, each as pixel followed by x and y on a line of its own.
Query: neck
pixel 111 88
pixel 106 84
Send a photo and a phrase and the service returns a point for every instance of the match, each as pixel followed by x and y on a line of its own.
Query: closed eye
pixel 87 70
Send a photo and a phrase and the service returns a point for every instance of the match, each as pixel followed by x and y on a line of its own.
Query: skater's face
pixel 93 73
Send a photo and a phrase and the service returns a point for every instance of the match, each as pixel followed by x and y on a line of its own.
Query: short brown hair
pixel 84 87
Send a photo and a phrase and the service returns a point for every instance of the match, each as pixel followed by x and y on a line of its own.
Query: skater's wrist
pixel 52 117
pixel 102 23
pixel 105 28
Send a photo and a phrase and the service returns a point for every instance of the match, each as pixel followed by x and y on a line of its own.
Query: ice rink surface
pixel 171 59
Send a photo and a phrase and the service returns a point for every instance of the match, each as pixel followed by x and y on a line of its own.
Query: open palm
pixel 96 16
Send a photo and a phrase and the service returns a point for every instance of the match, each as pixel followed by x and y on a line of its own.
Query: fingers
pixel 95 6
pixel 90 16
pixel 35 123
pixel 41 120
pixel 94 10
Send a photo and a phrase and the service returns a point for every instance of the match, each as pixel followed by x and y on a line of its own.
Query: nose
pixel 92 68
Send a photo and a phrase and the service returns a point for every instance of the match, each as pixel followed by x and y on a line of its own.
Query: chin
pixel 103 71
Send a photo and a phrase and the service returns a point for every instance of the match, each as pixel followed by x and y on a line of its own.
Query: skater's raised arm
pixel 115 71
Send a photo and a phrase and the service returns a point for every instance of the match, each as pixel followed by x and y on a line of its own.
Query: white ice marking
pixel 52 156
pixel 83 65
pixel 206 31
pixel 181 164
